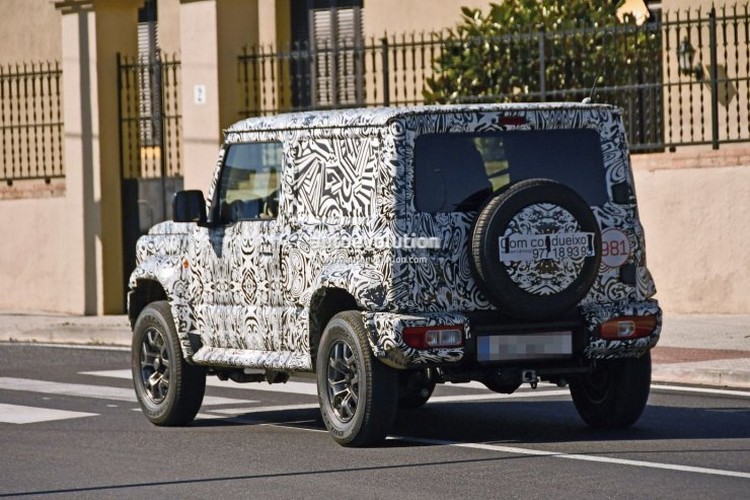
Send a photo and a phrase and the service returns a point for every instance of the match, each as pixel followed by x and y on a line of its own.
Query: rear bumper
pixel 486 327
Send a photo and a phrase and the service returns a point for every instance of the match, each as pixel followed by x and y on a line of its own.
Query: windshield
pixel 457 172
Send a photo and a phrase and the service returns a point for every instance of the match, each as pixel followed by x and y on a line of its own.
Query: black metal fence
pixel 663 106
pixel 709 102
pixel 150 144
pixel 150 119
pixel 31 122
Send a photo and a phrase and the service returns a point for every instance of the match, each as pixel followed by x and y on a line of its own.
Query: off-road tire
pixel 414 392
pixel 615 393
pixel 357 393
pixel 176 390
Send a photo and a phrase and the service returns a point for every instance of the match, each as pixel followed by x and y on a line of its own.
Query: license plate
pixel 547 345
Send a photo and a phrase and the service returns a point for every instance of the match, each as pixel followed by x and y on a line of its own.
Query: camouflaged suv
pixel 390 250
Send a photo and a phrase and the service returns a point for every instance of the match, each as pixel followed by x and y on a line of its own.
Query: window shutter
pixel 149 83
pixel 337 36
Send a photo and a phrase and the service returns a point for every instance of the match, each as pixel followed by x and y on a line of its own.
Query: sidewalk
pixel 712 350
pixel 704 349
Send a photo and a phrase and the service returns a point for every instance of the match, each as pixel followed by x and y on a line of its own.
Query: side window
pixel 249 182
pixel 450 174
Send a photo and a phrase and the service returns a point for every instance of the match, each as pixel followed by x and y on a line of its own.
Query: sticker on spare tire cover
pixel 536 247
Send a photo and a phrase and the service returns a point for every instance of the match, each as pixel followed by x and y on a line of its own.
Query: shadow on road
pixel 539 422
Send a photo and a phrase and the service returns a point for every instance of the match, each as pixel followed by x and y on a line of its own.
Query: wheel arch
pixel 163 278
pixel 325 303
pixel 146 291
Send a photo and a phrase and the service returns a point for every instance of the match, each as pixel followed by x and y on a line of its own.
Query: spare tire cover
pixel 536 249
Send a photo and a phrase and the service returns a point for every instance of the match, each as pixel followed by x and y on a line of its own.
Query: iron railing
pixel 149 114
pixel 663 107
pixel 711 105
pixel 31 122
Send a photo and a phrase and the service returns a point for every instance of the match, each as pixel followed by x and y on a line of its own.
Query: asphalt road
pixel 70 427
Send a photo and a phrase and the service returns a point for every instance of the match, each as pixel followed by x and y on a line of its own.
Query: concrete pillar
pixel 212 35
pixel 93 31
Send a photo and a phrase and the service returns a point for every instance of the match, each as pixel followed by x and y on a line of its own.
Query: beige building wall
pixel 168 12
pixel 29 31
pixel 693 203
pixel 694 206
pixel 61 250
pixel 683 5
pixel 212 34
pixel 414 16
pixel 39 270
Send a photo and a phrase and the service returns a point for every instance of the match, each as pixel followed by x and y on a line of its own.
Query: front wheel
pixel 169 390
pixel 357 393
pixel 615 393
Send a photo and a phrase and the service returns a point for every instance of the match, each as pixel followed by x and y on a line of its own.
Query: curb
pixel 70 335
pixel 712 377
pixel 58 329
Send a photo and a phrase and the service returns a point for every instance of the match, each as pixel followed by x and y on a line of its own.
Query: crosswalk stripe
pixel 91 391
pixel 263 409
pixel 500 397
pixel 291 387
pixel 17 414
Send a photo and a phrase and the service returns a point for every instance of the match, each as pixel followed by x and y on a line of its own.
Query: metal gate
pixel 150 144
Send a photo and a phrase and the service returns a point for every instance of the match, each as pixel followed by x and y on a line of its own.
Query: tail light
pixel 430 337
pixel 627 327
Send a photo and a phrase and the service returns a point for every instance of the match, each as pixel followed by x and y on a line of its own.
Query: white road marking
pixel 292 387
pixel 468 385
pixel 209 416
pixel 16 414
pixel 576 456
pixel 262 409
pixel 436 399
pixel 91 391
pixel 514 450
pixel 310 388
pixel 500 397
pixel 701 390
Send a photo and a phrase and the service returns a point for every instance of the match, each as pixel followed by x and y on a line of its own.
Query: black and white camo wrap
pixel 598 348
pixel 246 289
pixel 386 337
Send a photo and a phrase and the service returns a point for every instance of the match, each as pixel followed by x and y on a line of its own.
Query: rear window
pixel 457 172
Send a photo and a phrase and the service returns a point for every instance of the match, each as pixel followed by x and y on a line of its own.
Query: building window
pixel 328 54
pixel 149 75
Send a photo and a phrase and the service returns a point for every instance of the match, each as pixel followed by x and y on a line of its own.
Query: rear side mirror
pixel 189 206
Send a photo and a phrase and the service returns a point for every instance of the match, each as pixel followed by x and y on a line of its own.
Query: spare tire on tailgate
pixel 536 249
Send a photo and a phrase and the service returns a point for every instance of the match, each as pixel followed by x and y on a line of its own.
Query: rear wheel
pixel 615 393
pixel 414 389
pixel 169 390
pixel 357 393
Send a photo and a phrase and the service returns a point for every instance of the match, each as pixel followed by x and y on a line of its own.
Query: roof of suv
pixel 363 117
